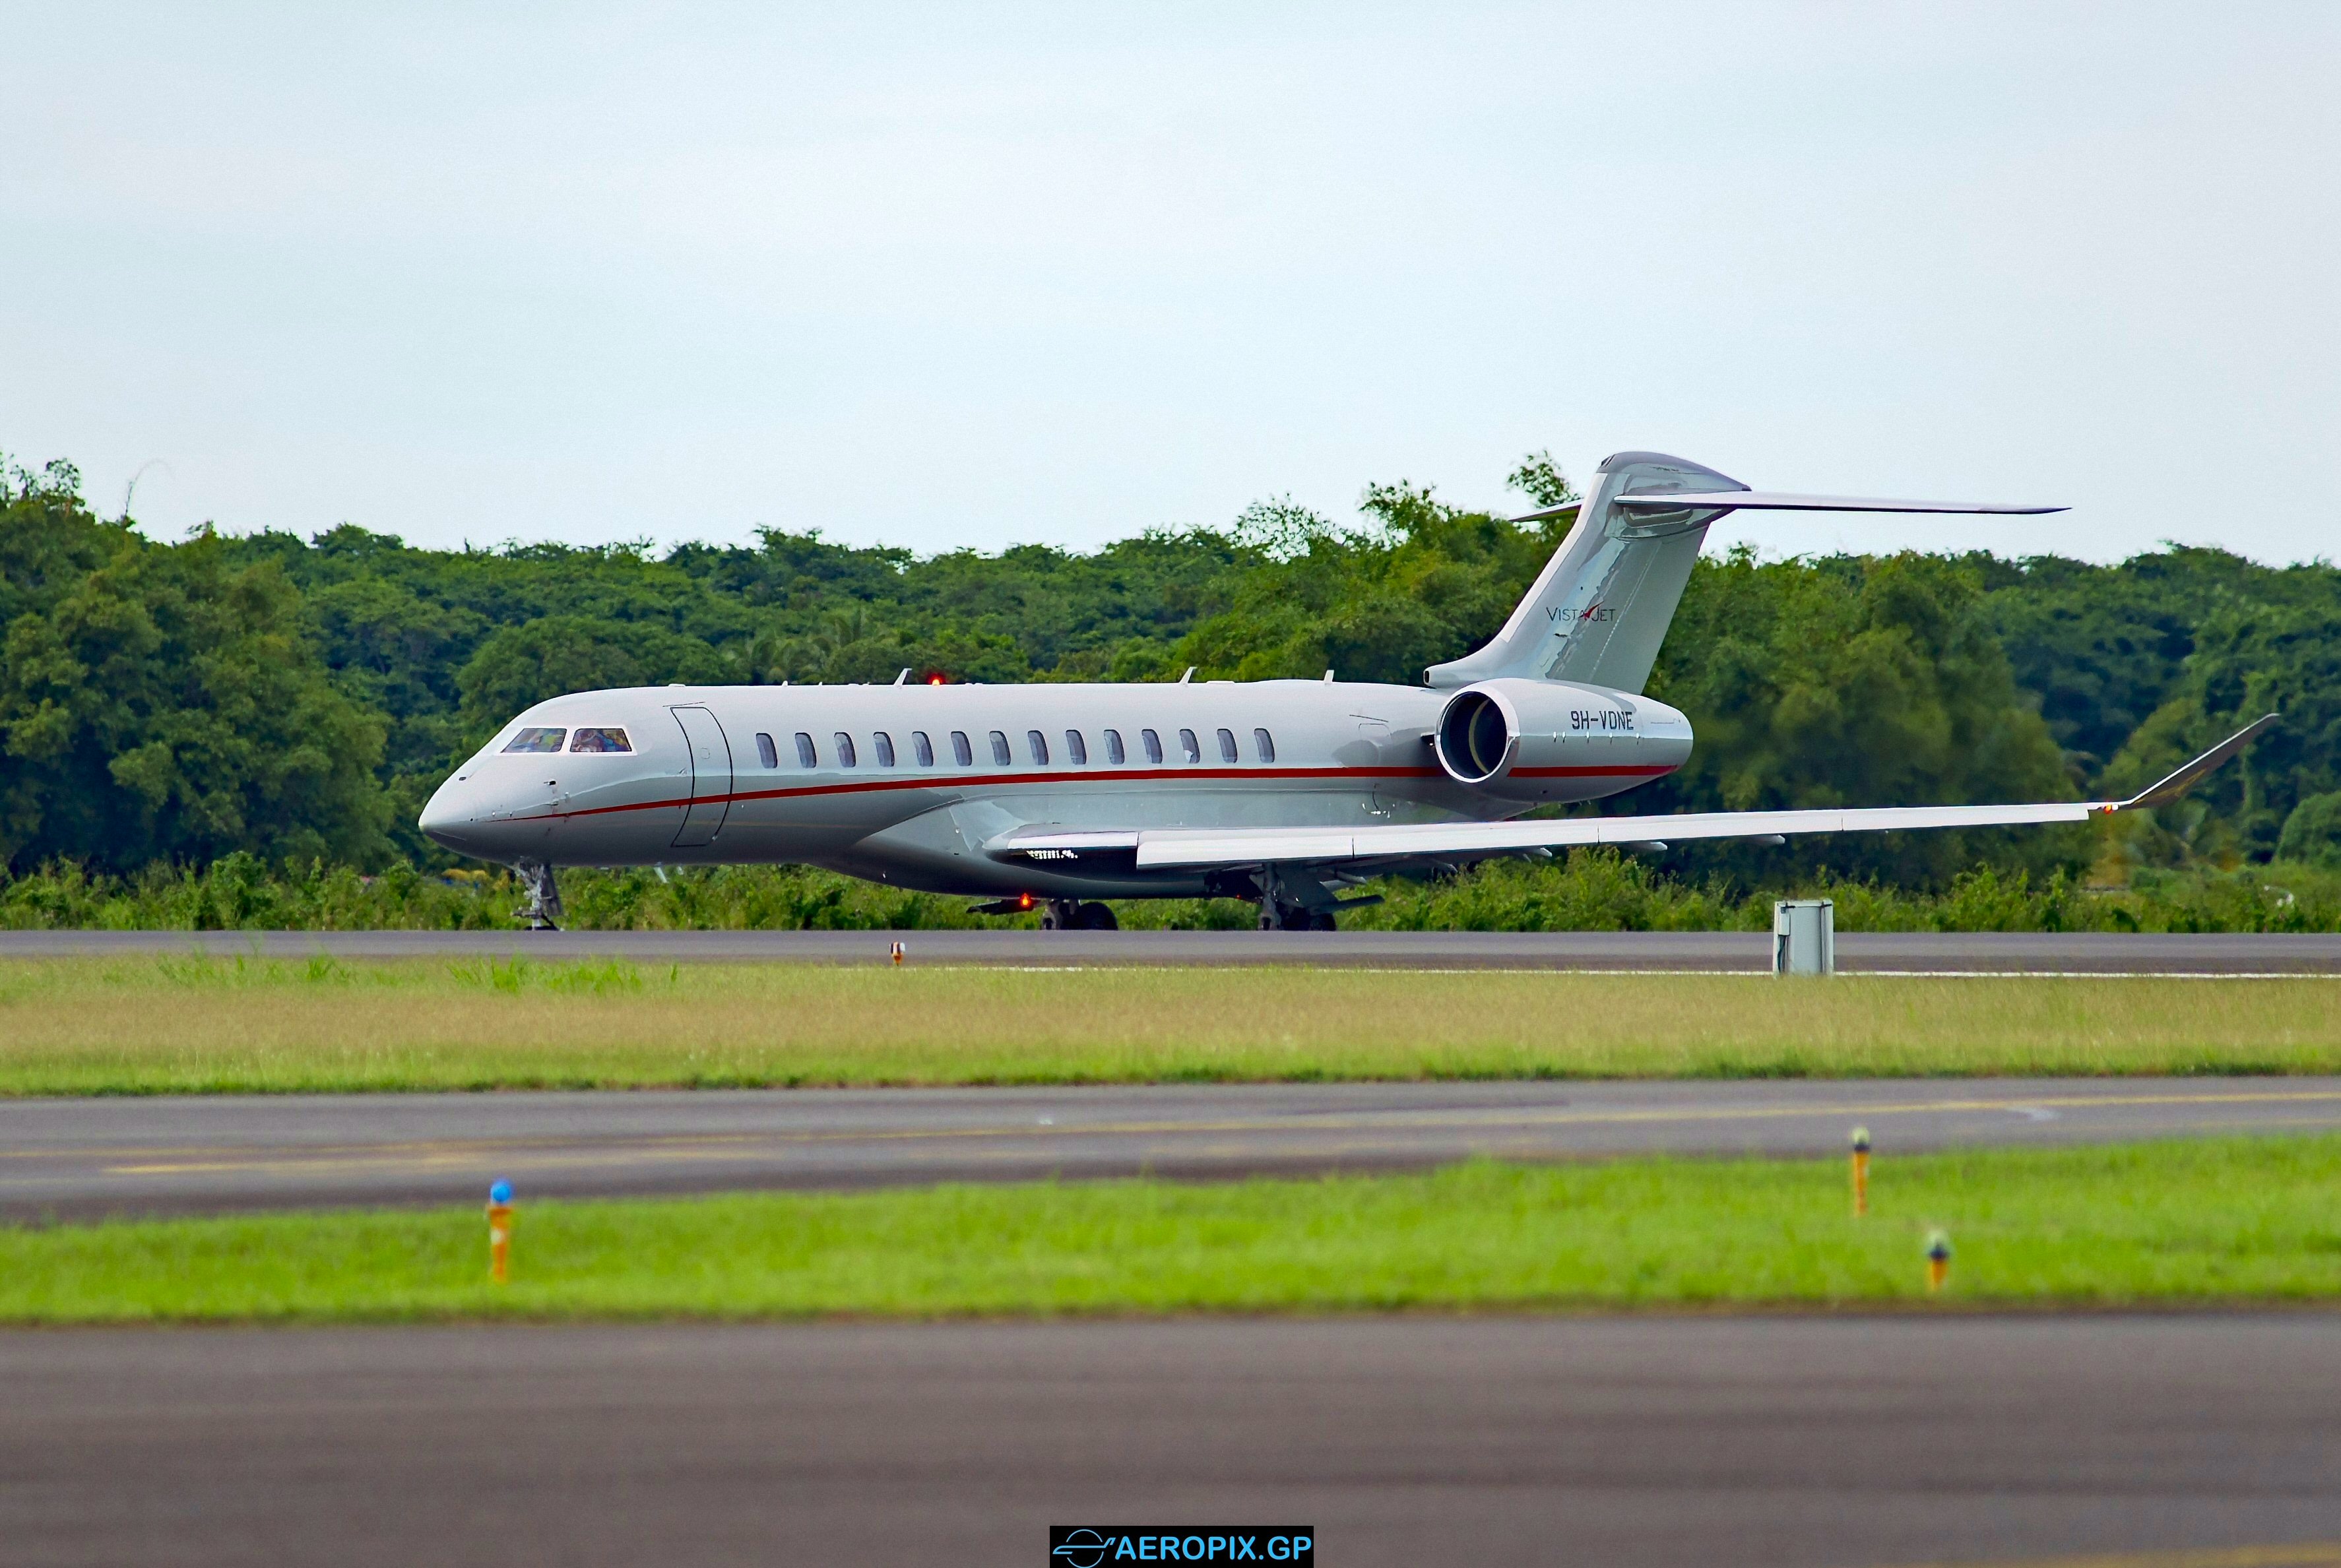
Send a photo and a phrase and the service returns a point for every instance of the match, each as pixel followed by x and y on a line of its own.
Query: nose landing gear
pixel 543 911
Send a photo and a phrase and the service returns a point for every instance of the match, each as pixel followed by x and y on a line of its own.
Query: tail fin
pixel 1600 608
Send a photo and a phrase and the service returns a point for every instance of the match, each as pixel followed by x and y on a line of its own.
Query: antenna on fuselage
pixel 904 676
pixel 1189 675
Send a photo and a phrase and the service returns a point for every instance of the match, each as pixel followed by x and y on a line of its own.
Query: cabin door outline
pixel 710 778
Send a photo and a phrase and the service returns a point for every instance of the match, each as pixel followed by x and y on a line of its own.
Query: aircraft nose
pixel 444 818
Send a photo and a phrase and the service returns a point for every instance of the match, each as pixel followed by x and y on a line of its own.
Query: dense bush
pixel 1595 890
pixel 168 706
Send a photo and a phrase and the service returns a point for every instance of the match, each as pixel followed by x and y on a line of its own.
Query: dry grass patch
pixel 197 1026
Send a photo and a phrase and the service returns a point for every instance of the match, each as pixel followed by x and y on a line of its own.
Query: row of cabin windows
pixel 1036 747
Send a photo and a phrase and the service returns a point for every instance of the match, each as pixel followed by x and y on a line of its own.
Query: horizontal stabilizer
pixel 1773 501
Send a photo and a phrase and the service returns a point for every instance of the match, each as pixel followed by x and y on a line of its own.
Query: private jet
pixel 1288 793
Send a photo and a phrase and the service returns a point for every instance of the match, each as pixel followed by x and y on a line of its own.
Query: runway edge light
pixel 500 1222
pixel 1938 1258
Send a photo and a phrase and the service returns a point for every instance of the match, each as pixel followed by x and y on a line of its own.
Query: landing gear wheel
pixel 1095 917
pixel 1323 920
pixel 1285 918
pixel 1061 915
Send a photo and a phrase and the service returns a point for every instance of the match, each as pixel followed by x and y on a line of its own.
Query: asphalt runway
pixel 1644 1443
pixel 1992 952
pixel 71 1158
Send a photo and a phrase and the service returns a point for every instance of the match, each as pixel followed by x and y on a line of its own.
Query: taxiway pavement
pixel 1650 1442
pixel 1988 952
pixel 70 1158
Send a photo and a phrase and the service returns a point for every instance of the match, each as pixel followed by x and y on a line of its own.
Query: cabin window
pixel 1038 744
pixel 922 749
pixel 844 749
pixel 885 746
pixel 961 752
pixel 1227 745
pixel 1113 747
pixel 1153 744
pixel 1264 743
pixel 600 741
pixel 536 740
pixel 1000 749
pixel 1188 747
pixel 766 752
pixel 1077 749
pixel 806 758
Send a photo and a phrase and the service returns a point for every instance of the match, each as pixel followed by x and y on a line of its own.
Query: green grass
pixel 2185 1222
pixel 197 1026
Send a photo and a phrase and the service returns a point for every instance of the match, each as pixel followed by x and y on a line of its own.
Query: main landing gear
pixel 1281 910
pixel 1072 915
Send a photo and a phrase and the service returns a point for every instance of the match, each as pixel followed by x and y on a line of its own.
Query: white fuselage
pixel 759 774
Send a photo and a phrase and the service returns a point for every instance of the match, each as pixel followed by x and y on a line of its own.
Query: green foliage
pixel 298 701
pixel 162 703
pixel 2312 832
pixel 1856 681
pixel 1585 891
pixel 2212 1220
pixel 517 666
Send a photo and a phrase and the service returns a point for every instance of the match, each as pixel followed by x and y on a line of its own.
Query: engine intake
pixel 1477 739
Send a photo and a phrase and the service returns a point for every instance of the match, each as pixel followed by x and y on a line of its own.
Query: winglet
pixel 2183 780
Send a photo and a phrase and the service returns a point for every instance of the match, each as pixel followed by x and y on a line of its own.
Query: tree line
pixel 296 699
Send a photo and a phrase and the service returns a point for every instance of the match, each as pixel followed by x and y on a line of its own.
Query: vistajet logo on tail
pixel 1595 610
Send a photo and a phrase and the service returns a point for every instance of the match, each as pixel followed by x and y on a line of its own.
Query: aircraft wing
pixel 1452 841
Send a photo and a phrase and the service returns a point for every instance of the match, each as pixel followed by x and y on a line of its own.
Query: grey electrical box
pixel 1804 936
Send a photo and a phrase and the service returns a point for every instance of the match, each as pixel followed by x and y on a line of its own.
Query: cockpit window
pixel 536 740
pixel 600 741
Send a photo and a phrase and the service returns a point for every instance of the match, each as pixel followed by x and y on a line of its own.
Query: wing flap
pixel 1253 846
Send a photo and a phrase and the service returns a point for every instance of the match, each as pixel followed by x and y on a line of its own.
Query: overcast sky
pixel 978 275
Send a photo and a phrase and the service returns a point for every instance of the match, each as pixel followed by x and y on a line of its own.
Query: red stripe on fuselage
pixel 1641 770
pixel 1108 773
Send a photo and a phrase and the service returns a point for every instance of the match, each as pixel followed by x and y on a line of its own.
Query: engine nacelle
pixel 1535 740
